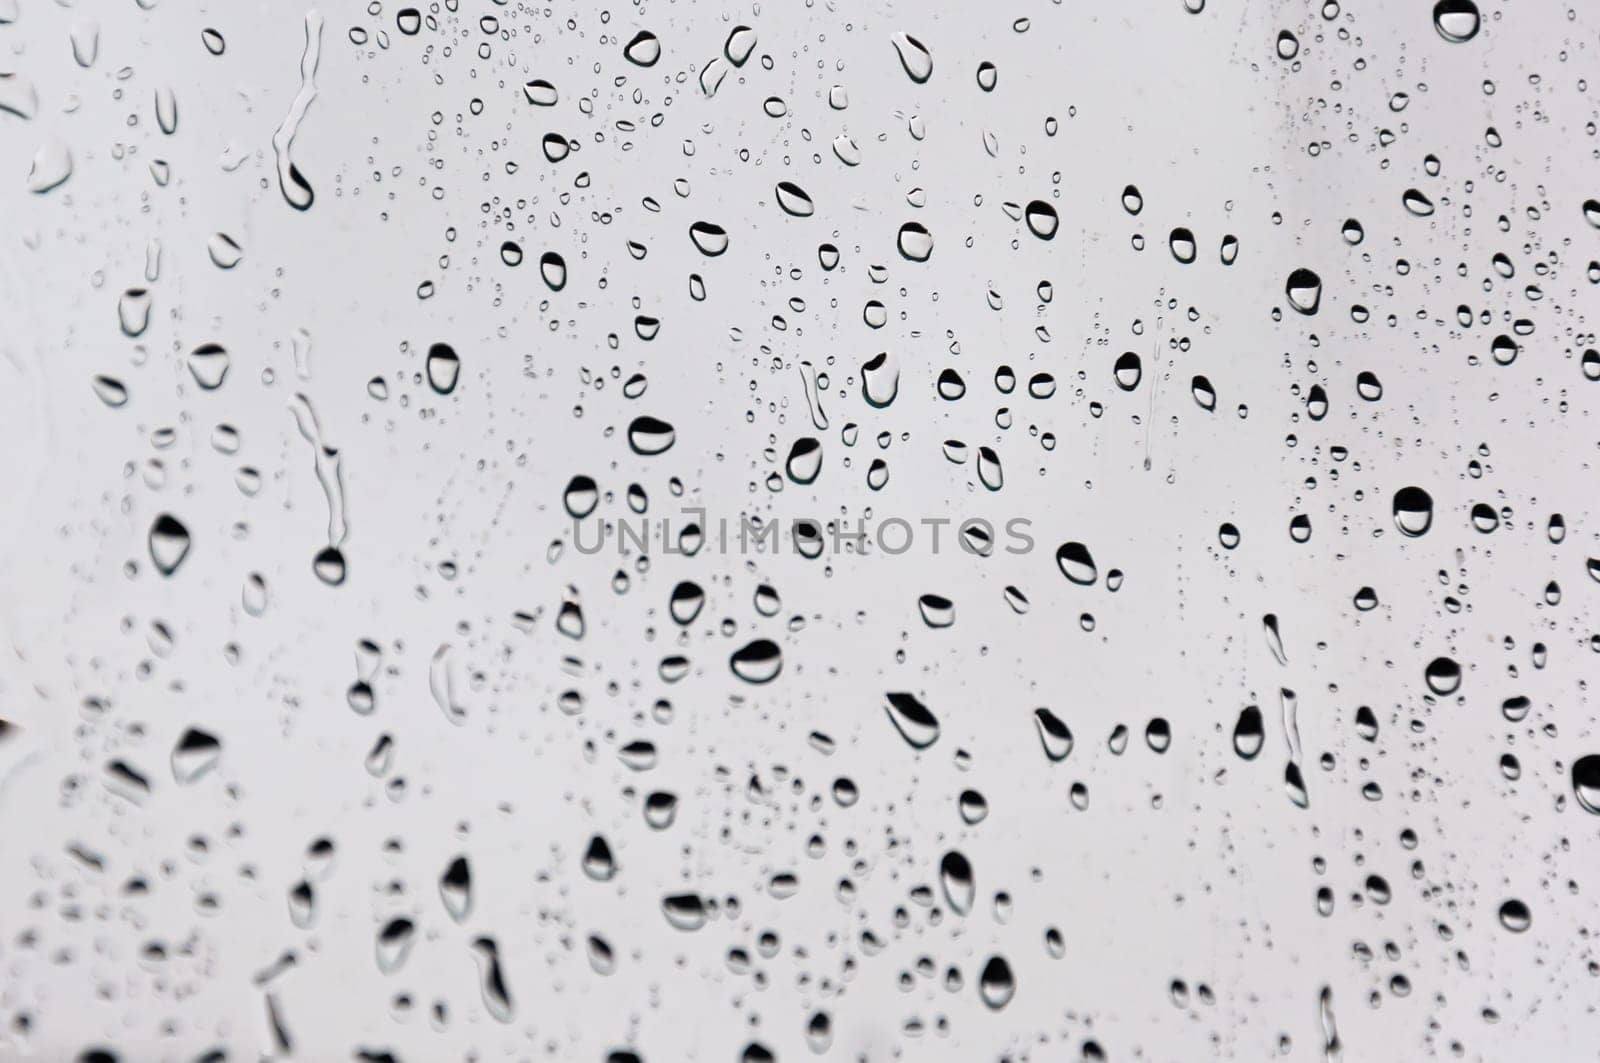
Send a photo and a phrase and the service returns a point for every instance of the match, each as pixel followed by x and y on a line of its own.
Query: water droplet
pixel 455 889
pixel 553 270
pixel 758 661
pixel 540 93
pixel 1249 734
pixel 1515 916
pixel 394 943
pixel 1443 676
pixel 1054 735
pixel 51 166
pixel 1304 290
pixel 133 311
pixel 1418 204
pixel 1128 371
pixel 804 463
pixel 1456 20
pixel 581 496
pixel 1181 241
pixel 1586 782
pixel 195 754
pixel 169 543
pixel 912 720
pixel 1042 219
pixel 643 50
pixel 996 984
pixel 1413 511
pixel 443 368
pixel 915 242
pixel 880 380
pixel 492 980
pixel 649 436
pixel 329 565
pixel 794 201
pixel 684 911
pixel 686 602
pixel 914 57
pixel 1076 564
pixel 295 188
pixel 224 253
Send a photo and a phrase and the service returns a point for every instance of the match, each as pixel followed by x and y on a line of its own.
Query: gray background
pixel 1193 865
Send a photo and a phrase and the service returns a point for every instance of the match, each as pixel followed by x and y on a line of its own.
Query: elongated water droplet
pixel 758 661
pixel 1413 511
pixel 169 543
pixel 914 57
pixel 1054 735
pixel 1249 734
pixel 955 878
pixel 443 368
pixel 794 200
pixel 455 889
pixel 492 980
pixel 912 719
pixel 295 188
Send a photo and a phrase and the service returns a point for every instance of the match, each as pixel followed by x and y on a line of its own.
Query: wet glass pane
pixel 675 532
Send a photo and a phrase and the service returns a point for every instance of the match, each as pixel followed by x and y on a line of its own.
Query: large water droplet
pixel 914 57
pixel 709 239
pixel 1413 511
pixel 1586 782
pixel 133 311
pixel 649 436
pixel 996 984
pixel 880 379
pixel 758 661
pixel 794 201
pixel 1042 219
pixel 443 368
pixel 643 50
pixel 915 242
pixel 1248 733
pixel 1443 676
pixel 1515 916
pixel 1304 290
pixel 1076 563
pixel 956 879
pixel 169 543
pixel 912 719
pixel 1054 735
pixel 1456 20
pixel 805 460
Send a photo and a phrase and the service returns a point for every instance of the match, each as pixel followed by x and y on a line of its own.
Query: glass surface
pixel 679 532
